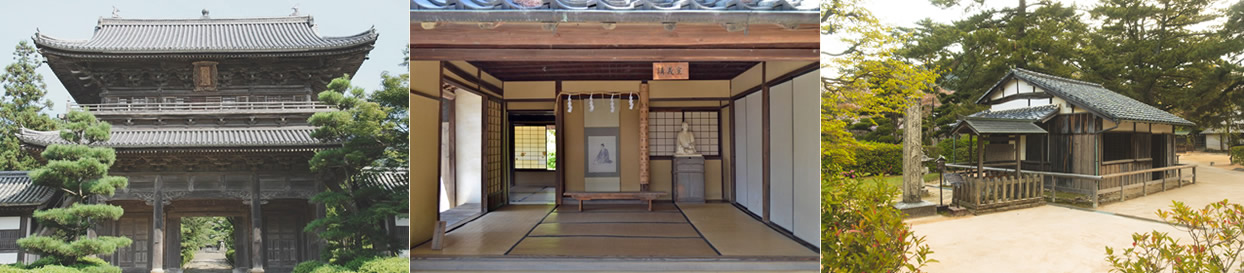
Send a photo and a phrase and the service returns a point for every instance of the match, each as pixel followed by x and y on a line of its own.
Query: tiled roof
pixel 190 137
pixel 1096 98
pixel 609 5
pixel 17 190
pixel 277 34
pixel 1026 113
pixel 997 126
pixel 389 179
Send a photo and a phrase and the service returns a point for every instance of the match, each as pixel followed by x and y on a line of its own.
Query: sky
pixel 76 20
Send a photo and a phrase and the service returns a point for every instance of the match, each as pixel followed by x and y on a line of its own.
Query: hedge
pixel 386 265
pixel 367 265
pixel 876 159
pixel 1237 155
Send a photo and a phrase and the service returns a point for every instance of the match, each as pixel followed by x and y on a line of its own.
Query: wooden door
pixel 281 232
pixel 137 256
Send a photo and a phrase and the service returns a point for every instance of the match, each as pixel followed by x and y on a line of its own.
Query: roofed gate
pixel 209 119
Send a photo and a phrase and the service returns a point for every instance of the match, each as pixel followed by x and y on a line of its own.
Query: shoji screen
pixel 794 156
pixel 748 168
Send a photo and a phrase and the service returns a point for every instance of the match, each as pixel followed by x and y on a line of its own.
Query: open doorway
pixel 534 151
pixel 462 128
pixel 207 244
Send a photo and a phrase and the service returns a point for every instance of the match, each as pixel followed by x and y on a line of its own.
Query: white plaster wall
pixel 10 222
pixel 807 157
pixel 8 257
pixel 401 221
pixel 781 186
pixel 1213 142
pixel 468 115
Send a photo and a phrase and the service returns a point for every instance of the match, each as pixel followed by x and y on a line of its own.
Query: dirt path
pixel 209 262
pixel 1059 239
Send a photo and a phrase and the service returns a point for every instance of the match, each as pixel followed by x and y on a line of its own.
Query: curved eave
pixel 365 40
pixel 785 17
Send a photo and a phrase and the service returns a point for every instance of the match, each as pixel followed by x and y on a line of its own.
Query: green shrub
pixel 358 262
pixel 386 265
pixel 1237 155
pixel 307 266
pixel 100 269
pixel 862 231
pixel 876 159
pixel 1217 233
pixel 55 269
pixel 328 268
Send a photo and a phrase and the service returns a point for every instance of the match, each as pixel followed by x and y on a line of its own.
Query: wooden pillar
pixel 256 205
pixel 157 228
pixel 980 157
pixel 764 140
pixel 1019 164
pixel 559 117
pixel 643 136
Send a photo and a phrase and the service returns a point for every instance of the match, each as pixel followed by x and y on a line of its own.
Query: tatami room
pixel 544 129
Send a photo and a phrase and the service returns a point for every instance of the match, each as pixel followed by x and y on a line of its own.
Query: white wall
pixel 9 223
pixel 807 158
pixel 1015 87
pixel 468 115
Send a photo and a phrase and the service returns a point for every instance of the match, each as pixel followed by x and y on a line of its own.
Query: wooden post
pixel 1179 178
pixel 1193 175
pixel 980 157
pixel 438 236
pixel 1019 164
pixel 157 228
pixel 256 206
pixel 643 137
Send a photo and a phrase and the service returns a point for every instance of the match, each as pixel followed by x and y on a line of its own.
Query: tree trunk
pixel 913 176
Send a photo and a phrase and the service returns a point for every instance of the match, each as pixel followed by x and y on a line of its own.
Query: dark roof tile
pixel 1096 98
pixel 276 34
pixel 190 137
pixel 18 190
pixel 1026 113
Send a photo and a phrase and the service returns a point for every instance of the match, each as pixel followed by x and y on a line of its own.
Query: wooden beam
pixel 582 35
pixel 657 54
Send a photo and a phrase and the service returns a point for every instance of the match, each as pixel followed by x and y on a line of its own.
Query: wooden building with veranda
pixel 1045 135
pixel 209 118
pixel 513 103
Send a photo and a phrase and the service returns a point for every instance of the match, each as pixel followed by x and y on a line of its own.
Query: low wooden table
pixel 625 195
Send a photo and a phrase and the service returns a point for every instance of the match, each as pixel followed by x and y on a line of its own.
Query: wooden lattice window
pixel 664 126
pixel 8 239
pixel 496 185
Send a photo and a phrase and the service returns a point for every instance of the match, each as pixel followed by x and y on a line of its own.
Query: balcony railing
pixel 203 107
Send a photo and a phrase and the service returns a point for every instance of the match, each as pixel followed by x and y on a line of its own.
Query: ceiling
pixel 551 71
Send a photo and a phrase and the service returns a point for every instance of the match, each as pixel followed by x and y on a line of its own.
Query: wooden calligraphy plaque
pixel 670 71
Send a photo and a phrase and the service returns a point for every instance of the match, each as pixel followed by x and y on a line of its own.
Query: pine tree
pixel 80 172
pixel 21 106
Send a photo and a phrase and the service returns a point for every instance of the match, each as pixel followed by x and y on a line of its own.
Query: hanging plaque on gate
pixel 670 71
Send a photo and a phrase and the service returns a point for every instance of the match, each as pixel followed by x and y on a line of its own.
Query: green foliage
pixel 307 266
pixel 372 138
pixel 386 265
pixel 1217 233
pixel 331 268
pixel 21 106
pixel 961 150
pixel 84 265
pixel 871 78
pixel 199 232
pixel 355 263
pixel 81 172
pixel 1237 155
pixel 872 158
pixel 862 231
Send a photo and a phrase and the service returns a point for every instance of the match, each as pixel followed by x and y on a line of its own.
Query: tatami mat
pixel 613 246
pixel 616 217
pixel 491 234
pixel 616 229
pixel 616 206
pixel 734 233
